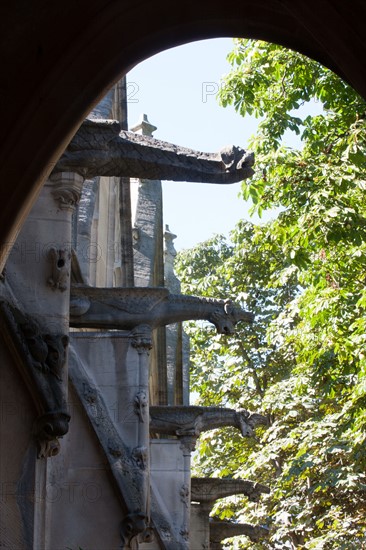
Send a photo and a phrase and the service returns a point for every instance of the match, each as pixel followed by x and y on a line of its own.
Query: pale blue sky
pixel 176 89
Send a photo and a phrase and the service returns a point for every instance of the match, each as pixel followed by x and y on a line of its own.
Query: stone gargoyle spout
pixel 101 148
pixel 183 420
pixel 220 530
pixel 127 308
pixel 207 490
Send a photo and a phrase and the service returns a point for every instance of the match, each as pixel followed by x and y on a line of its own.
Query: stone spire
pixel 147 221
pixel 144 127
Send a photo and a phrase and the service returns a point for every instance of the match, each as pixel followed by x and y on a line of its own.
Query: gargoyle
pixel 192 420
pixel 101 148
pixel 220 530
pixel 207 490
pixel 126 308
pixel 47 429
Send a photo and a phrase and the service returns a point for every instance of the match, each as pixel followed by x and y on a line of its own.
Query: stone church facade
pixel 97 429
pixel 58 59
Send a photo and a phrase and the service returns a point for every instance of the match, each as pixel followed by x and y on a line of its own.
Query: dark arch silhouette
pixel 59 58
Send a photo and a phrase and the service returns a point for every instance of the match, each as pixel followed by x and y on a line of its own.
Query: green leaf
pixel 303 361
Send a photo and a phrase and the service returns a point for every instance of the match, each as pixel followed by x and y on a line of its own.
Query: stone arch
pixel 58 61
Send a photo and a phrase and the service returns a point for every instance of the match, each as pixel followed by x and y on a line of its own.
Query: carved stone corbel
pixel 140 456
pixel 66 189
pixel 187 444
pixel 40 358
pixel 60 269
pixel 134 529
pixel 141 405
pixel 141 339
pixel 47 429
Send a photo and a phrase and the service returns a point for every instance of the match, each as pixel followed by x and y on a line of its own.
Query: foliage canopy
pixel 303 274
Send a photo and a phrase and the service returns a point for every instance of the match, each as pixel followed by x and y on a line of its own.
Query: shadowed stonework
pixel 58 60
pixel 92 318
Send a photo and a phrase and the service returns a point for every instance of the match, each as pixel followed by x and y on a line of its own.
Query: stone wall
pixel 96 429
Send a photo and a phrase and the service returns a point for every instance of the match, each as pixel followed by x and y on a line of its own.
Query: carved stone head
pixel 226 317
pixel 247 422
pixel 242 420
pixel 133 524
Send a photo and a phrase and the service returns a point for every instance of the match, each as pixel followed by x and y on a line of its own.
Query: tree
pixel 303 274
